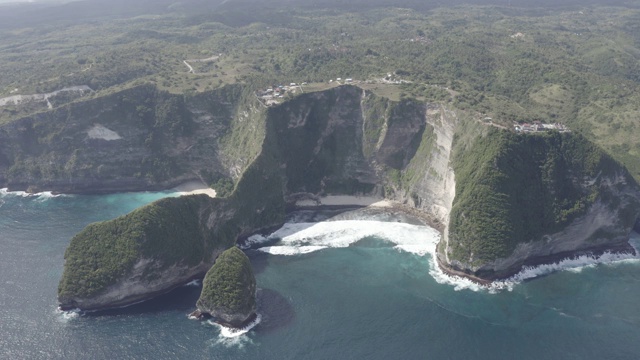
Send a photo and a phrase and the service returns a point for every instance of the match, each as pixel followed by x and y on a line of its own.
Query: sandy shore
pixel 195 187
pixel 345 200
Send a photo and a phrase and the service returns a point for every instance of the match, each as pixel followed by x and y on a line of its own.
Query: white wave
pixel 302 238
pixel 575 265
pixel 195 283
pixel 67 315
pixel 291 250
pixel 41 195
pixel 252 240
pixel 234 337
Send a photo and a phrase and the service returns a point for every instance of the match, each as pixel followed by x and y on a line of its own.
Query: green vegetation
pixel 575 65
pixel 514 188
pixel 168 232
pixel 174 231
pixel 229 286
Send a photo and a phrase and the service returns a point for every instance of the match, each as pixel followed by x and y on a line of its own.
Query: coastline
pixel 194 187
pixel 183 187
pixel 596 252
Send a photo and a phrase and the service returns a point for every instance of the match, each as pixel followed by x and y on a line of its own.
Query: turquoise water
pixel 349 300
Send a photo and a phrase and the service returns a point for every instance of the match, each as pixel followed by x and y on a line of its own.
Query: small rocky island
pixel 229 291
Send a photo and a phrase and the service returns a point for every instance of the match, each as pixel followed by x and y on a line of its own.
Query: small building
pixel 349 80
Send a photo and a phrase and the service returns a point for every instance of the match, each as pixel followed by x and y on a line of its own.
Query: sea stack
pixel 229 290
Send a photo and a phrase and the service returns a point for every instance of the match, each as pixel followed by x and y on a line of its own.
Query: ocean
pixel 358 285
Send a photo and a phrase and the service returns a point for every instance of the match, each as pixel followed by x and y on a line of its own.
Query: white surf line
pixel 228 332
pixel 304 238
pixel 575 265
pixel 44 195
pixel 67 315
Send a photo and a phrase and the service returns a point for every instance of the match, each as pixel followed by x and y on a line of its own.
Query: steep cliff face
pixel 229 289
pixel 529 199
pixel 136 139
pixel 167 243
pixel 148 251
pixel 502 200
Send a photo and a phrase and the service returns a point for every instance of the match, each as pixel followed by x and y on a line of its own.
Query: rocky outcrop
pixel 229 290
pixel 166 244
pixel 533 199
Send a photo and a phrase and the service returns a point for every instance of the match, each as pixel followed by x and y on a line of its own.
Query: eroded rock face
pixel 533 199
pixel 229 290
pixel 346 141
pixel 138 139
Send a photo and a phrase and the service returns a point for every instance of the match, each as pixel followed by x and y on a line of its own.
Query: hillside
pixel 571 62
pixel 502 200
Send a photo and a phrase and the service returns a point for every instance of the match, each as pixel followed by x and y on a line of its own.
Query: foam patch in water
pixel 66 316
pixel 234 337
pixel 304 238
pixel 575 265
pixel 195 283
pixel 41 195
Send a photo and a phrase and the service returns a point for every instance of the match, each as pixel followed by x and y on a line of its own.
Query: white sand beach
pixel 195 187
pixel 345 200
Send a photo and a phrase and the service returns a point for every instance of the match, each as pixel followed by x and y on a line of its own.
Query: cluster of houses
pixel 272 94
pixel 339 80
pixel 539 126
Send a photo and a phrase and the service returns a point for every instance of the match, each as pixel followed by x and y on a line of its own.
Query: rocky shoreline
pixel 130 301
pixel 99 188
pixel 488 279
pixel 199 315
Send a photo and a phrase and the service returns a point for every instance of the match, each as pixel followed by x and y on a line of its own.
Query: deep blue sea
pixel 361 286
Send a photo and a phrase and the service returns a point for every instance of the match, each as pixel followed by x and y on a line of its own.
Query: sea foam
pixel 303 238
pixel 4 192
pixel 194 283
pixel 67 315
pixel 231 337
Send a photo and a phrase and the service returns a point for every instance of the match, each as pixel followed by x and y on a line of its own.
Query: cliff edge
pixel 502 200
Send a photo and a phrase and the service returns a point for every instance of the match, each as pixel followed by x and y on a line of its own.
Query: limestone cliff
pixel 136 139
pixel 229 290
pixel 530 199
pixel 502 200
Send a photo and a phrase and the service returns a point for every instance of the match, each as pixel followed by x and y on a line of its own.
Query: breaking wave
pixel 41 195
pixel 194 283
pixel 575 265
pixel 67 315
pixel 231 337
pixel 303 238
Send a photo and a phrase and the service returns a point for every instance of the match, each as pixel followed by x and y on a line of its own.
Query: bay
pixel 366 299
